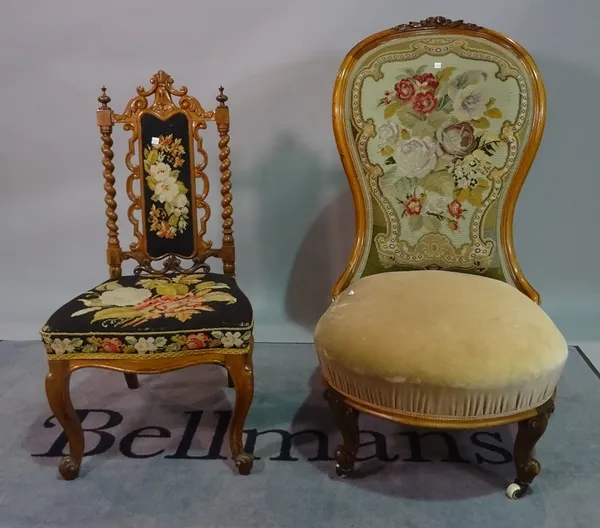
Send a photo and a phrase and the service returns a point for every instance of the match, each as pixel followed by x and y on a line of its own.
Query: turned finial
pixel 104 99
pixel 222 98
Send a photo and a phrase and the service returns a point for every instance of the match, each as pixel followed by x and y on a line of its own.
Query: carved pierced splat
pixel 134 174
pixel 172 264
pixel 153 211
pixel 438 22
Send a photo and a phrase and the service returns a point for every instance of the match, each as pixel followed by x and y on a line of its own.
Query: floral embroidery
pixel 455 209
pixel 413 206
pixel 169 215
pixel 180 297
pixel 425 103
pixel 425 82
pixel 195 341
pixel 404 90
pixel 64 346
pixel 109 344
pixel 230 339
pixel 436 145
pixel 147 344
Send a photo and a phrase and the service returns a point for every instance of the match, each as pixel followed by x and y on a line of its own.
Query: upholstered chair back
pixel 167 185
pixel 438 123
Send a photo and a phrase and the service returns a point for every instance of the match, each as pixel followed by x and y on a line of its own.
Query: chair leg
pixel 346 419
pixel 530 431
pixel 241 372
pixel 59 399
pixel 132 381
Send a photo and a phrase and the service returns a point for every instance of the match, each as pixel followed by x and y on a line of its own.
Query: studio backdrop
pixel 293 211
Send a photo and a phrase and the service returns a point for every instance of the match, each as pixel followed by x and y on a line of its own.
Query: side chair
pixel 172 311
pixel 433 323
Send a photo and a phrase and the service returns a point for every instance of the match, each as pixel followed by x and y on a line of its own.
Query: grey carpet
pixel 425 482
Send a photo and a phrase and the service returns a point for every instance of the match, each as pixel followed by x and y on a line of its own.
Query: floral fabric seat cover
pixel 140 316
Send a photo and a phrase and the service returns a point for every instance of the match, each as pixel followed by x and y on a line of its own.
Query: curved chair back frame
pixel 414 108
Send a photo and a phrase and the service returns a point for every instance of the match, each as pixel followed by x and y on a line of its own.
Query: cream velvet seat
pixel 440 344
pixel 433 322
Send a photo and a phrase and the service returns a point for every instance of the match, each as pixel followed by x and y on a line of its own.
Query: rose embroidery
pixel 196 341
pixel 457 139
pixel 124 296
pixel 425 103
pixel 405 89
pixel 111 344
pixel 387 132
pixel 470 103
pixel 416 157
pixel 426 82
pixel 438 145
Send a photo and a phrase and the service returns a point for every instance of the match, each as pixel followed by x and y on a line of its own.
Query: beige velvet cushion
pixel 440 344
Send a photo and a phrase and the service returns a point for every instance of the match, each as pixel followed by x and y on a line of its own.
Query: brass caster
pixel 68 468
pixel 244 463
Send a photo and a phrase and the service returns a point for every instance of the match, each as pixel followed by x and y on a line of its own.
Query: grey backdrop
pixel 294 218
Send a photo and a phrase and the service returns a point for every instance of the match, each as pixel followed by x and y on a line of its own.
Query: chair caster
pixel 69 468
pixel 516 491
pixel 244 463
pixel 340 472
pixel 345 459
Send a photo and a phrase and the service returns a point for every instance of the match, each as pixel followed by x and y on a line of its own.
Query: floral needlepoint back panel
pixel 437 127
pixel 167 185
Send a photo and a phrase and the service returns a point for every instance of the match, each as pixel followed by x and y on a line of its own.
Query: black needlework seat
pixel 168 316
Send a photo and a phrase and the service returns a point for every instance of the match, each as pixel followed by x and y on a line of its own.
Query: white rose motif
pixel 416 157
pixel 145 344
pixel 166 190
pixel 387 132
pixel 232 339
pixel 469 102
pixel 435 203
pixel 124 296
pixel 160 171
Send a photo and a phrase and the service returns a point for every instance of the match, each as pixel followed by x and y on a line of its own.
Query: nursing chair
pixel 171 312
pixel 433 323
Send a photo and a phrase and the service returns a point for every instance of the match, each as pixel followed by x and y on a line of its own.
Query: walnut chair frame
pixel 346 408
pixel 239 366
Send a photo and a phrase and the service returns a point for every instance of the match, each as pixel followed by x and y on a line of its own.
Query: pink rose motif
pixel 405 89
pixel 424 103
pixel 426 82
